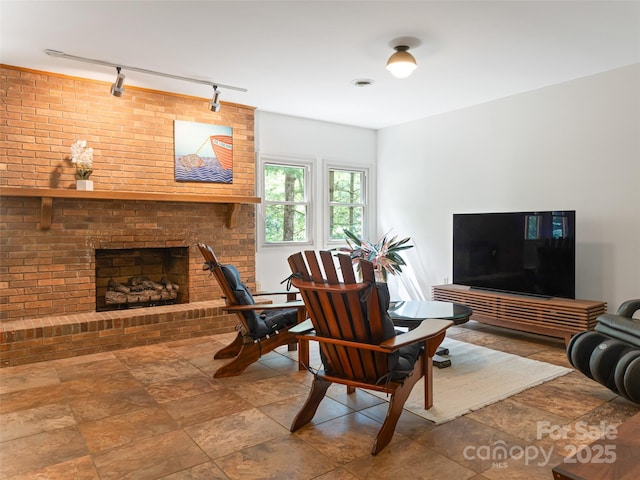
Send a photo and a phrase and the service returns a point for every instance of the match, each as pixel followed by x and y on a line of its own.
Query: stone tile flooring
pixel 155 412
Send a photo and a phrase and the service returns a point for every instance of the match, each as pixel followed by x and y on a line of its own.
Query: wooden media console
pixel 555 317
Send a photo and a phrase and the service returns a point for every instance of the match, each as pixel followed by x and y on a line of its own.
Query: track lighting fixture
pixel 401 63
pixel 117 89
pixel 214 104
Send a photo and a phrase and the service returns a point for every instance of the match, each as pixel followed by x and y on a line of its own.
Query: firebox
pixel 141 277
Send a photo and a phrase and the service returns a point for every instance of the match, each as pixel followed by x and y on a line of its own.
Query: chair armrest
pixel 263 306
pixel 621 328
pixel 387 346
pixel 429 327
pixel 302 327
pixel 311 336
pixel 628 308
pixel 262 293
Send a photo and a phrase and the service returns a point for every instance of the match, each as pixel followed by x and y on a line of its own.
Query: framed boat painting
pixel 203 152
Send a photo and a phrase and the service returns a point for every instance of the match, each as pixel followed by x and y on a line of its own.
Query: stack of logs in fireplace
pixel 140 290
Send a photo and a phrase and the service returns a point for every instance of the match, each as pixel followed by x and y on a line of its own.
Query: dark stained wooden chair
pixel 358 344
pixel 262 327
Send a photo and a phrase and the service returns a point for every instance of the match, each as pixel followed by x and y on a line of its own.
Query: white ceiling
pixel 300 57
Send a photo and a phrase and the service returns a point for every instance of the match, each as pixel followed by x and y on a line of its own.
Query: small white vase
pixel 84 185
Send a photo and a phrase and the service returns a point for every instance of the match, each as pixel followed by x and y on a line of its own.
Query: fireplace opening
pixel 141 277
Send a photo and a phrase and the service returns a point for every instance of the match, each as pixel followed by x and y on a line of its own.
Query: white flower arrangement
pixel 82 158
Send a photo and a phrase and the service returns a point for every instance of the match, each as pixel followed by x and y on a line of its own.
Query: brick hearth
pixel 49 338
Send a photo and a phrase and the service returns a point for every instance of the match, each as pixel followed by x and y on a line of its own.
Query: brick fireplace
pixel 52 305
pixel 53 272
pixel 48 266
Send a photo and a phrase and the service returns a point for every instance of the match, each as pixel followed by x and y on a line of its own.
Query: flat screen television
pixel 530 253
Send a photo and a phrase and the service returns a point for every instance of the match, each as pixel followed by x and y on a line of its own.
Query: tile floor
pixel 155 412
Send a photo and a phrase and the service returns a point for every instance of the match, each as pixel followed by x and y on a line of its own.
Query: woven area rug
pixel 478 377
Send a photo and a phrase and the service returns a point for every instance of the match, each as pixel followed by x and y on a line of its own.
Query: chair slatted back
pixel 344 310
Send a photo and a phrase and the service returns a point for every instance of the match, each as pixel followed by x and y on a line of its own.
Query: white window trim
pixel 303 162
pixel 366 227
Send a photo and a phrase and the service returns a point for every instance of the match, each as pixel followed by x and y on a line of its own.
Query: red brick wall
pixel 52 272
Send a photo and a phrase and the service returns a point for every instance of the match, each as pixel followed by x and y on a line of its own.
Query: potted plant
pixel 82 158
pixel 383 254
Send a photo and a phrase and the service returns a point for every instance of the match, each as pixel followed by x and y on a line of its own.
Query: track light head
pixel 214 104
pixel 401 63
pixel 117 89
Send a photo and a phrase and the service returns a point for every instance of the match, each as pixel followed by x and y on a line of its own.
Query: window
pixel 286 203
pixel 559 226
pixel 347 202
pixel 532 227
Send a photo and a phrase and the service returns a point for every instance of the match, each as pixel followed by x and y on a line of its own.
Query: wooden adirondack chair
pixel 261 328
pixel 358 344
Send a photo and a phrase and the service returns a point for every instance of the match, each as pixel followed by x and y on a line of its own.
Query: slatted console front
pixel 555 317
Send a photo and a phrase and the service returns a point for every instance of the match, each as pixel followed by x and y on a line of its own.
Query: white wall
pixel 571 146
pixel 292 137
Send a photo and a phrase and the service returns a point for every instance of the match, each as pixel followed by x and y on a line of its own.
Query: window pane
pixel 283 183
pixel 559 226
pixel 345 187
pixel 285 223
pixel 347 194
pixel 346 218
pixel 532 227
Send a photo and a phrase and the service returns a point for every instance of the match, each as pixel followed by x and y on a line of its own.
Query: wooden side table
pixel 591 464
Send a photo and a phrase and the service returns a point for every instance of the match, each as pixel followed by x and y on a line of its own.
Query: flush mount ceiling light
pixel 117 89
pixel 401 63
pixel 214 104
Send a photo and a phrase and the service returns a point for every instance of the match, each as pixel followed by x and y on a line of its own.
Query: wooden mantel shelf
pixel 47 195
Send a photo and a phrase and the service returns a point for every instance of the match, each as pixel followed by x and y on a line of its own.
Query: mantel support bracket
pixel 232 218
pixel 46 212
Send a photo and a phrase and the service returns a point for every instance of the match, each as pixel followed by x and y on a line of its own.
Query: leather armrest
pixel 620 328
pixel 628 308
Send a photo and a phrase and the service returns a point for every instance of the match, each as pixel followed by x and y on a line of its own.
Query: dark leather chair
pixel 610 354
